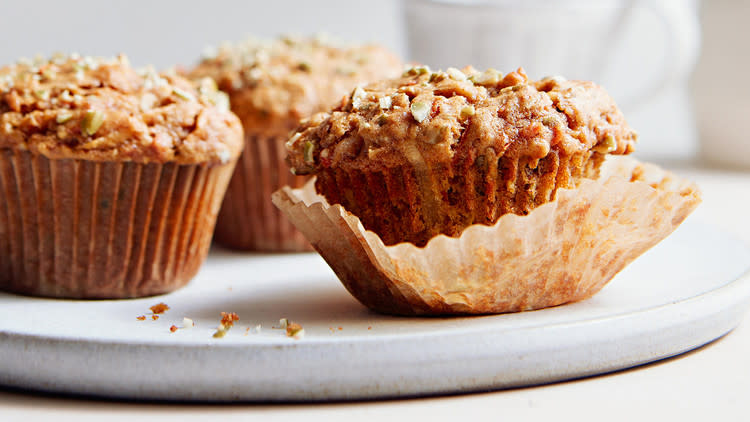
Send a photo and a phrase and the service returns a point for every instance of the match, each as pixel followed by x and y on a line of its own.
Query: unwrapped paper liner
pixel 563 251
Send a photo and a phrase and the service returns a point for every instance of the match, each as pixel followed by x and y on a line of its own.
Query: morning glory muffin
pixel 272 85
pixel 110 177
pixel 433 153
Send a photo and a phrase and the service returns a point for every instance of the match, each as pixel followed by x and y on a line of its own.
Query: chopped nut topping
pixel 455 74
pixel 385 102
pixel 183 94
pixel 437 77
pixel 42 94
pixel 420 110
pixel 91 122
pixel 467 111
pixel 606 145
pixel 187 323
pixel 221 100
pixel 295 331
pixel 358 96
pixel 63 117
pixel 308 153
pixel 416 70
pixel 489 77
pixel 290 143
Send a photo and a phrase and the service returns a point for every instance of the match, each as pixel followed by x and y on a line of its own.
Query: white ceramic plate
pixel 687 291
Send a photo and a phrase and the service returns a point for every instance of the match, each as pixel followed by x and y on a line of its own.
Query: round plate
pixel 685 292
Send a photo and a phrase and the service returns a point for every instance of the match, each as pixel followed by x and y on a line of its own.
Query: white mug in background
pixel 642 51
pixel 720 89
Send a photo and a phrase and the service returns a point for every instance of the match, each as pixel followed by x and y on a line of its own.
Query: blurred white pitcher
pixel 574 38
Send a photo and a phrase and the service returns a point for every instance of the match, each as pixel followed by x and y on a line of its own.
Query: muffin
pixel 111 178
pixel 272 85
pixel 451 193
pixel 435 152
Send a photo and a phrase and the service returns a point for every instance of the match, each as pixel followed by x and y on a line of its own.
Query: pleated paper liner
pixel 81 229
pixel 416 203
pixel 248 220
pixel 563 251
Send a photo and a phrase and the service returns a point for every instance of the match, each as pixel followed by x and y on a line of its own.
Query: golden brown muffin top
pixel 437 117
pixel 104 110
pixel 273 84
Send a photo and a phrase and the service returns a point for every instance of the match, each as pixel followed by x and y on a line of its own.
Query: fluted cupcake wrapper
pixel 248 220
pixel 82 229
pixel 563 251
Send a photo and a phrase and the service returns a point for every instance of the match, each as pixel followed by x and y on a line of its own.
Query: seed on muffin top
pixel 274 83
pixel 443 116
pixel 102 109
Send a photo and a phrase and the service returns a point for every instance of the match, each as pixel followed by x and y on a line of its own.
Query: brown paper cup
pixel 248 220
pixel 81 229
pixel 562 251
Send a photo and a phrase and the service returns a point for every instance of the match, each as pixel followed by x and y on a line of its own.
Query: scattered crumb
pixel 227 321
pixel 154 317
pixel 141 318
pixel 258 328
pixel 228 318
pixel 159 308
pixel 295 330
pixel 247 330
pixel 283 322
pixel 341 328
pixel 187 323
pixel 173 328
pixel 369 327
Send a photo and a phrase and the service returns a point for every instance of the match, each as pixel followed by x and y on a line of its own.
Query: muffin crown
pixel 101 109
pixel 441 117
pixel 273 84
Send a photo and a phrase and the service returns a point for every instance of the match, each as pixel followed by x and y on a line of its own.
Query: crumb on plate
pixel 159 308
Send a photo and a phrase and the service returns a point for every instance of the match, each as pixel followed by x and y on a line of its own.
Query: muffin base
pixel 415 203
pixel 247 219
pixel 563 251
pixel 83 229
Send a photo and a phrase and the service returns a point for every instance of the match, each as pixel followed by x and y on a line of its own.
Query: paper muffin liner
pixel 247 219
pixel 82 229
pixel 414 204
pixel 563 251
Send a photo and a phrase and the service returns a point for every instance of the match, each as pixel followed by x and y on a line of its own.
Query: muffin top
pixel 274 84
pixel 104 110
pixel 441 117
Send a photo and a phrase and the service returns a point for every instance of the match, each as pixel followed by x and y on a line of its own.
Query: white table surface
pixel 707 384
